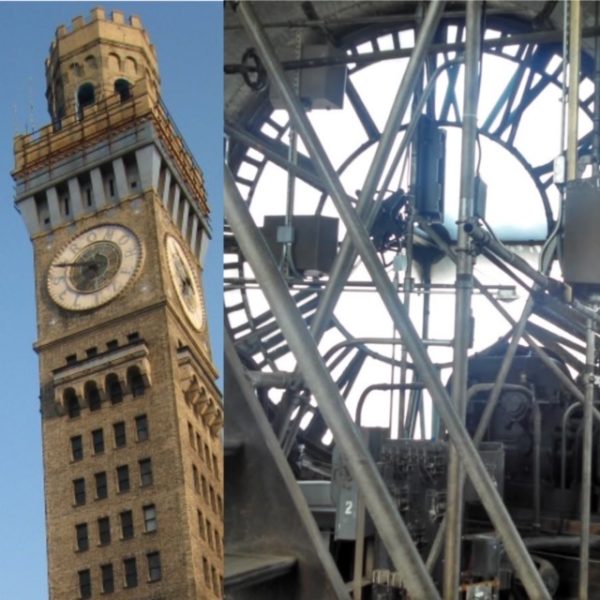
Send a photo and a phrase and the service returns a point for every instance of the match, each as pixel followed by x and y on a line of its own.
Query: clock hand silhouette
pixel 83 263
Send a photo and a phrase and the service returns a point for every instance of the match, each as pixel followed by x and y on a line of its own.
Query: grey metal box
pixel 315 241
pixel 581 237
pixel 320 87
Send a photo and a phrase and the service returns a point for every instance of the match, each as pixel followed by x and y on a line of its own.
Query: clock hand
pixel 76 264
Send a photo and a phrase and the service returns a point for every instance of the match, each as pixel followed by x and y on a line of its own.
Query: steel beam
pixel 535 37
pixel 482 482
pixel 380 504
pixel 573 104
pixel 464 289
pixel 586 466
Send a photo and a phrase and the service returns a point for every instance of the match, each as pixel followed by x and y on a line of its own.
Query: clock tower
pixel 117 213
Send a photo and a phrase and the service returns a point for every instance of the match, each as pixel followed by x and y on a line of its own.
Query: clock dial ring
pixel 94 267
pixel 256 157
pixel 185 282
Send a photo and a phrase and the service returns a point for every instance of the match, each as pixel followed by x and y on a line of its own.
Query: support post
pixel 574 66
pixel 464 289
pixel 586 467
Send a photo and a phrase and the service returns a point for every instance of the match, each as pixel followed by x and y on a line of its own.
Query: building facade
pixel 117 213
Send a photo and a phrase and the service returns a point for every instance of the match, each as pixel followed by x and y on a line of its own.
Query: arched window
pixel 123 88
pixel 114 389
pixel 86 96
pixel 135 381
pixel 130 65
pixel 114 62
pixel 91 62
pixel 92 395
pixel 72 403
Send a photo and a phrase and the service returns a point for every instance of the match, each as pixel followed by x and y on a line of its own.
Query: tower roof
pixel 95 59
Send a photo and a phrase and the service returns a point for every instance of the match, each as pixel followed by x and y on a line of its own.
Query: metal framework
pixel 276 317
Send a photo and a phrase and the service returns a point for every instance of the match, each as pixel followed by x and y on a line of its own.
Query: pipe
pixel 563 443
pixel 481 236
pixel 381 387
pixel 586 467
pixel 574 66
pixel 380 504
pixel 482 482
pixel 537 463
pixel 557 541
pixel 596 120
pixel 464 287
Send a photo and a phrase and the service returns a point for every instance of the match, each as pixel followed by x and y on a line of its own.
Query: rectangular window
pixel 145 471
pixel 206 572
pixel 76 447
pixel 108 578
pixel 154 569
pixel 101 485
pixel 79 491
pixel 213 501
pixel 207 456
pixel 104 530
pixel 198 443
pixel 215 583
pixel 204 488
pixel 215 466
pixel 126 524
pixel 191 435
pixel 85 583
pixel 196 480
pixel 120 435
pixel 141 428
pixel 219 505
pixel 98 441
pixel 130 569
pixel 201 529
pixel 149 518
pixel 209 533
pixel 123 478
pixel 81 534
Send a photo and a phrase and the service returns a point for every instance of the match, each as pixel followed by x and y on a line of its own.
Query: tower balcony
pixel 101 121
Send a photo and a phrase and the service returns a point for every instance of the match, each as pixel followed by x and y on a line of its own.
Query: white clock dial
pixel 185 282
pixel 94 267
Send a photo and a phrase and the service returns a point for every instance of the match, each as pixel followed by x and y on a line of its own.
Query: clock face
pixel 94 267
pixel 184 280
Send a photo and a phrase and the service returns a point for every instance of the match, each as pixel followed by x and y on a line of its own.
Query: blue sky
pixel 188 38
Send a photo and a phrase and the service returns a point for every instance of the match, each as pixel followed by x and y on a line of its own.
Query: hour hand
pixel 84 263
